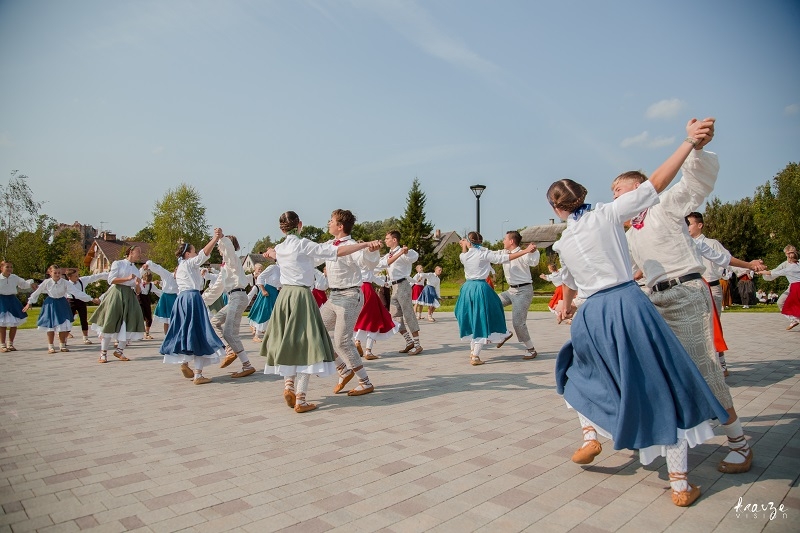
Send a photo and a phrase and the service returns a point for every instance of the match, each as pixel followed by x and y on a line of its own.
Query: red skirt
pixel 719 340
pixel 319 296
pixel 792 305
pixel 558 295
pixel 373 319
pixel 416 290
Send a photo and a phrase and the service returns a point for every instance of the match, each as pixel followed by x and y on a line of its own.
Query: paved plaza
pixel 439 446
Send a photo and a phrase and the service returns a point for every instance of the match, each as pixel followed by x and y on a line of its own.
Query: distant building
pixel 249 261
pixel 106 249
pixel 441 240
pixel 88 233
pixel 544 235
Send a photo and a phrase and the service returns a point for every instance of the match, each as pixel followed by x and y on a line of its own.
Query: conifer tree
pixel 415 229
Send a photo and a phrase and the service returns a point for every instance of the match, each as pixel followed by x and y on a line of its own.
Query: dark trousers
pixel 79 306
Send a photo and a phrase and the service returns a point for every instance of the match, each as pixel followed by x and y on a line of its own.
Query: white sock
pixel 678 463
pixel 736 441
pixel 476 349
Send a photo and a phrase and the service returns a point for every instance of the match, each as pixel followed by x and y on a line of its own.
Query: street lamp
pixel 477 190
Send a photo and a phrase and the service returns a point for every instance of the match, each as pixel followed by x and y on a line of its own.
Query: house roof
pixel 447 237
pixel 113 250
pixel 543 235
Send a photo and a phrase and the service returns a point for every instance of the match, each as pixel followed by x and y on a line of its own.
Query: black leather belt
pixel 346 288
pixel 237 290
pixel 713 283
pixel 664 285
pixel 521 285
pixel 399 281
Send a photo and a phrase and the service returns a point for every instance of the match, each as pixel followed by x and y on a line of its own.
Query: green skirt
pixel 119 315
pixel 296 340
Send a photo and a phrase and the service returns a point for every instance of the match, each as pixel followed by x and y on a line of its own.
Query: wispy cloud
pixel 417 25
pixel 665 108
pixel 643 139
pixel 792 109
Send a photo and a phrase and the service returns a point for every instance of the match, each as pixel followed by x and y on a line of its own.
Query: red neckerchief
pixel 638 221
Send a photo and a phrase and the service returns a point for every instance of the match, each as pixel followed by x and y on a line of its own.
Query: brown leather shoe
pixel 361 392
pixel 371 356
pixel 737 468
pixel 186 371
pixel 792 325
pixel 289 397
pixel 201 380
pixel 685 498
pixel 102 359
pixel 305 407
pixel 530 355
pixel 345 380
pixel 586 454
pixel 229 358
pixel 502 342
pixel 415 351
pixel 474 360
pixel 118 354
pixel 407 349
pixel 359 349
pixel 244 372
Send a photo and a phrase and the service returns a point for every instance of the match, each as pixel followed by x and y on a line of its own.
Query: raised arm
pixel 697 132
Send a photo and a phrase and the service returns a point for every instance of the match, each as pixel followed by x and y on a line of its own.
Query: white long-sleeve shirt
pixel 790 270
pixel 478 262
pixel 83 281
pixel 345 272
pixel 554 278
pixel 433 280
pixel 11 284
pixel 188 275
pixel 715 257
pixel 401 267
pixel 168 283
pixel 58 289
pixel 122 268
pixel 518 271
pixel 297 258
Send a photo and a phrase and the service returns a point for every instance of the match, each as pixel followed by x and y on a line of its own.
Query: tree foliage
pixel 415 229
pixel 146 234
pixel 30 250
pixel 734 225
pixel 178 217
pixel 66 248
pixel 374 231
pixel 18 210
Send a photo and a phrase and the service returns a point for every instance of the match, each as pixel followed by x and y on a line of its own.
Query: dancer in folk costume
pixel 554 277
pixel 431 294
pixel 661 247
pixel 56 315
pixel 296 343
pixel 252 277
pixel 320 286
pixel 11 314
pixel 789 301
pixel 745 286
pixel 374 322
pixel 479 311
pixel 167 296
pixel 417 286
pixel 231 282
pixel 190 337
pixel 77 305
pixel 267 284
pixel 119 318
pixel 716 258
pixel 147 287
pixel 520 290
pixel 398 267
pixel 340 313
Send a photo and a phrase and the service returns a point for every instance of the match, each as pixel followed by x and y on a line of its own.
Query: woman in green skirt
pixel 296 343
pixel 119 318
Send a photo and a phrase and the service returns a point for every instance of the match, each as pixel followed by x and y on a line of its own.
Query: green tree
pixel 415 229
pixel 452 269
pixel 146 234
pixel 374 231
pixel 178 217
pixel 66 248
pixel 733 225
pixel 18 210
pixel 30 250
pixel 262 244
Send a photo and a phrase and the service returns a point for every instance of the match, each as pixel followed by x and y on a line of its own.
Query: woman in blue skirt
pixel 624 371
pixel 169 293
pixel 480 315
pixel 190 336
pixel 56 314
pixel 267 284
pixel 11 315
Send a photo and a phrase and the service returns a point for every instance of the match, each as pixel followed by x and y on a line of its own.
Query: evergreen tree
pixel 415 230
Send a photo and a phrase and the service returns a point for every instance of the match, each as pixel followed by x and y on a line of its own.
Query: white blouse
pixel 188 275
pixel 9 285
pixel 478 262
pixel 168 283
pixel 298 257
pixel 58 289
pixel 790 270
pixel 122 268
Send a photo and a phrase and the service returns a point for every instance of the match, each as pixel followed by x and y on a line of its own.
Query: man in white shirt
pixel 340 312
pixel 398 266
pixel 520 292
pixel 233 281
pixel 660 246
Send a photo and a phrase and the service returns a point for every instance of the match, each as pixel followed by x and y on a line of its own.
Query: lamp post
pixel 477 190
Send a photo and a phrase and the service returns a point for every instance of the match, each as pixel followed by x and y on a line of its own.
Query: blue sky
pixel 265 106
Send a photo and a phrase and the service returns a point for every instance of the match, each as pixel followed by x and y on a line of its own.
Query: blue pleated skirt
pixel 56 315
pixel 163 311
pixel 261 310
pixel 190 333
pixel 626 371
pixel 479 313
pixel 11 314
pixel 428 297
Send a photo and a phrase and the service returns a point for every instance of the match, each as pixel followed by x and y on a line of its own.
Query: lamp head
pixel 477 190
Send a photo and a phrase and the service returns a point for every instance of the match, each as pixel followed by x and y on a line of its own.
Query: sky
pixel 267 106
